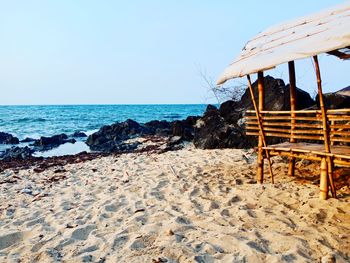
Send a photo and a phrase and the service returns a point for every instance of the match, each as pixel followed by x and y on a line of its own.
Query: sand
pixel 182 206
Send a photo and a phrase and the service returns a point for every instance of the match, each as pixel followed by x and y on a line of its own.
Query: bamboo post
pixel 325 127
pixel 324 180
pixel 292 87
pixel 332 130
pixel 261 96
pixel 261 134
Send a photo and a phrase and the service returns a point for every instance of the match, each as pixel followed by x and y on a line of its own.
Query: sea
pixel 48 120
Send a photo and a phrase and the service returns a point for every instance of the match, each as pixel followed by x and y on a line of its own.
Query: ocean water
pixel 46 120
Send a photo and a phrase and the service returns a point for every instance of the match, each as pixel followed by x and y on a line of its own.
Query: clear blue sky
pixel 121 52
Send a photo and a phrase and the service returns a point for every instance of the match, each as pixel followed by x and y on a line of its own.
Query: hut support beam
pixel 324 180
pixel 292 87
pixel 261 134
pixel 261 95
pixel 329 161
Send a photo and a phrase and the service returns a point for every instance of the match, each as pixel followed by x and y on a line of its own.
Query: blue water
pixel 45 120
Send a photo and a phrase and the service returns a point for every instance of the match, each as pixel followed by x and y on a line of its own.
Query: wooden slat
pixel 286 130
pixel 285 118
pixel 265 123
pixel 284 135
pixel 302 111
pixel 340 126
pixel 341 139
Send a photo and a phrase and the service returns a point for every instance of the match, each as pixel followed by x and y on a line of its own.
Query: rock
pixel 110 137
pixel 79 134
pixel 180 130
pixel 19 153
pixel 48 143
pixel 27 139
pixel 336 100
pixel 185 128
pixel 174 143
pixel 228 110
pixel 212 132
pixel 159 127
pixel 277 96
pixel 344 91
pixel 27 191
pixel 6 138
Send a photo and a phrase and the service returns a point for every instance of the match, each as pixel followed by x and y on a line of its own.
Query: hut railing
pixel 306 125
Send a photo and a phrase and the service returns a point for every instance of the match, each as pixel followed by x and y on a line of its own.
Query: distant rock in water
pixel 79 134
pixel 48 143
pixel 16 153
pixel 6 138
pixel 27 139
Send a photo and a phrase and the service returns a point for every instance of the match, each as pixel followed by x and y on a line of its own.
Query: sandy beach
pixel 189 205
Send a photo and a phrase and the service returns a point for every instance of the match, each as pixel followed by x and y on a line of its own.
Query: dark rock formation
pixel 16 153
pixel 79 134
pixel 336 100
pixel 184 128
pixel 159 127
pixel 110 137
pixel 277 96
pixel 6 138
pixel 48 143
pixel 27 139
pixel 344 91
pixel 229 111
pixel 212 131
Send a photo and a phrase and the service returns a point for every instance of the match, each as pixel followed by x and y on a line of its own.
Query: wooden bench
pixel 306 130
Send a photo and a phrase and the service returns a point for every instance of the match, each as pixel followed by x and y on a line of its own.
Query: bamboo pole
pixel 261 96
pixel 324 180
pixel 325 128
pixel 262 137
pixel 332 131
pixel 292 85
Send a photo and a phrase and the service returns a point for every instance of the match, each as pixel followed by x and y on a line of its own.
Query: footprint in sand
pixel 120 241
pixel 83 232
pixel 10 239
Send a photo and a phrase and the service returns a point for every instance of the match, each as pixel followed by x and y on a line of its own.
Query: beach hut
pixel 320 135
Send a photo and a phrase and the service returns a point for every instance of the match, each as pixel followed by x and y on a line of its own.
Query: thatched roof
pixel 325 31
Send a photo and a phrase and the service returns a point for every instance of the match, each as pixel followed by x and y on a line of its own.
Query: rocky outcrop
pixel 19 153
pixel 184 128
pixel 79 134
pixel 27 139
pixel 225 127
pixel 48 143
pixel 213 131
pixel 6 138
pixel 111 138
pixel 344 91
pixel 277 96
pixel 336 100
pixel 162 128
